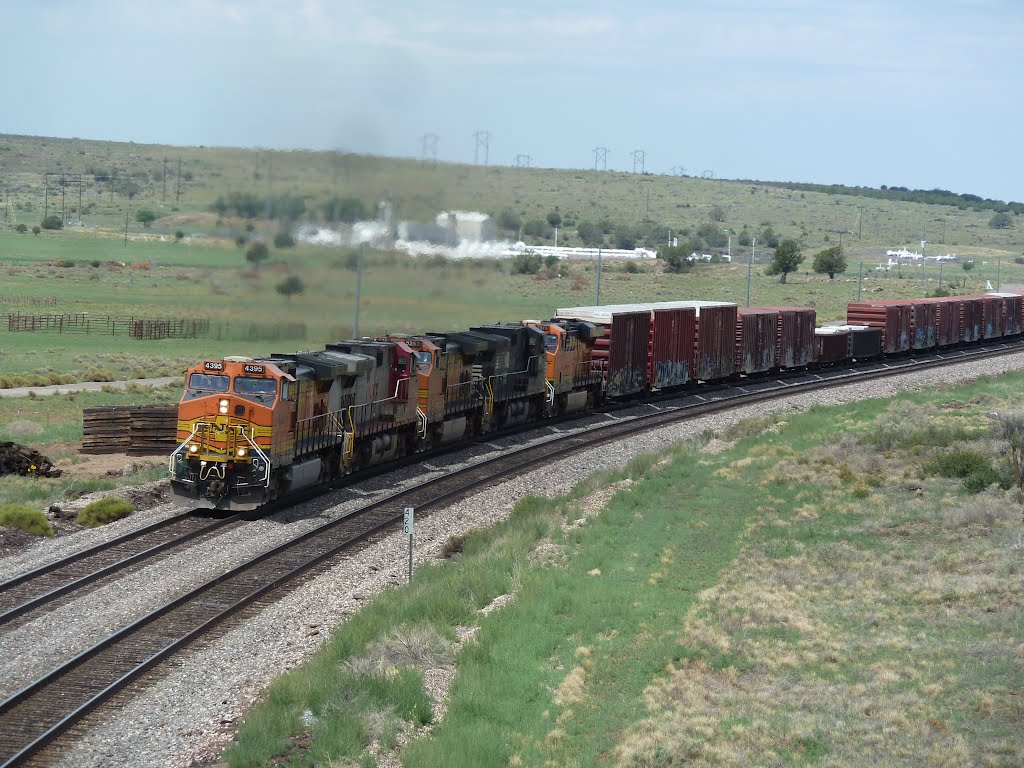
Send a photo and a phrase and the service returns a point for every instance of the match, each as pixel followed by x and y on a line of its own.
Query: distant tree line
pixel 288 207
pixel 930 196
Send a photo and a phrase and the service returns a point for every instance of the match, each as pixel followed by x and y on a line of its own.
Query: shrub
pixel 179 235
pixel 52 222
pixel 104 511
pixel 36 230
pixel 284 240
pixel 21 228
pixel 24 518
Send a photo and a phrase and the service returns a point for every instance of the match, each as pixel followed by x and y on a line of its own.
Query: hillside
pixel 121 178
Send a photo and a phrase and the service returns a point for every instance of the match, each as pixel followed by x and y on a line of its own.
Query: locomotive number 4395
pixel 253 369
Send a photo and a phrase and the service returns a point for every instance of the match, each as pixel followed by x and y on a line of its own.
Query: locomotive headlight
pixel 223 406
pixel 241 452
pixel 193 448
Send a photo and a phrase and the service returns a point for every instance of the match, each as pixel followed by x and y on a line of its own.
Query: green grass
pixel 736 608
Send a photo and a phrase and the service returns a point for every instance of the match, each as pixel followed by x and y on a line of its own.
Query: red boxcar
pixel 716 341
pixel 924 320
pixel 949 321
pixel 757 332
pixel 795 342
pixel 892 318
pixel 971 318
pixel 673 347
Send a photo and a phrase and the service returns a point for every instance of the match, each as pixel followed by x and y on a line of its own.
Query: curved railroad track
pixel 34 716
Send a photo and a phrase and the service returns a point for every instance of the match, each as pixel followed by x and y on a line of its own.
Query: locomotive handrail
pixel 422 418
pixel 551 393
pixel 266 460
pixel 170 459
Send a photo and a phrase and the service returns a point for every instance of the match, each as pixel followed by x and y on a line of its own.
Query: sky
pixel 915 93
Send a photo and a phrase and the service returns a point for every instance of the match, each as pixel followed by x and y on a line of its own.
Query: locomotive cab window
pixel 208 382
pixel 423 362
pixel 245 385
pixel 551 342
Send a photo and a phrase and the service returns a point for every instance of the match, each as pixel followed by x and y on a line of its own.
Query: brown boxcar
pixel 971 318
pixel 991 317
pixel 673 347
pixel 625 349
pixel 893 318
pixel 924 318
pixel 949 318
pixel 757 333
pixel 794 346
pixel 1012 319
pixel 716 341
pixel 831 345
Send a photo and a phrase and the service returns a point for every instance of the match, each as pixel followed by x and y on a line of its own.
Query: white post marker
pixel 409 522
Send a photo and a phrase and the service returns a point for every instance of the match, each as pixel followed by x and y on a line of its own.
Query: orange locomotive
pixel 251 430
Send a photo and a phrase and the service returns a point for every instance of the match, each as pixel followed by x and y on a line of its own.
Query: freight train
pixel 252 430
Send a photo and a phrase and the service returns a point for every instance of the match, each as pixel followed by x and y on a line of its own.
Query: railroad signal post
pixel 410 514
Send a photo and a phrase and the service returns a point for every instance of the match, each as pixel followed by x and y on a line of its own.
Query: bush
pixel 21 228
pixel 179 235
pixel 104 511
pixel 24 518
pixel 52 222
pixel 36 230
pixel 284 240
pixel 257 252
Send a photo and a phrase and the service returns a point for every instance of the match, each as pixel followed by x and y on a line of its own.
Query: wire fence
pixel 153 328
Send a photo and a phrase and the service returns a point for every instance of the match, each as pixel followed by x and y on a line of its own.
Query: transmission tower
pixel 678 170
pixel 483 141
pixel 708 175
pixel 429 143
pixel 639 158
pixel 64 180
pixel 601 158
pixel 523 161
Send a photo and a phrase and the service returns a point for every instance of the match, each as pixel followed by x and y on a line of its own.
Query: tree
pixel 787 259
pixel 1001 220
pixel 284 240
pixel 179 235
pixel 52 222
pixel 968 266
pixel 257 253
pixel 21 228
pixel 510 220
pixel 590 234
pixel 36 230
pixel 241 240
pixel 290 286
pixel 536 228
pixel 555 219
pixel 830 262
pixel 675 259
pixel 145 216
pixel 767 237
pixel 717 213
pixel 527 263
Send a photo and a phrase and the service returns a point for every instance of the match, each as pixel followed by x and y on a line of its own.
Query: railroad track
pixel 34 716
pixel 43 587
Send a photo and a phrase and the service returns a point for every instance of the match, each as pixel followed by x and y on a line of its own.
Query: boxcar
pixel 892 318
pixel 757 332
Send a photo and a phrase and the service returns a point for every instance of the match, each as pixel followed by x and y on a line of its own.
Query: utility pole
pixel 177 194
pixel 428 142
pixel 483 141
pixel 639 157
pixel 860 277
pixel 126 227
pixel 597 299
pixel 750 266
pixel 359 284
pixel 163 197
pixel 601 156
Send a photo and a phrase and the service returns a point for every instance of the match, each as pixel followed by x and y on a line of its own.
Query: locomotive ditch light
pixel 193 448
pixel 223 406
pixel 241 452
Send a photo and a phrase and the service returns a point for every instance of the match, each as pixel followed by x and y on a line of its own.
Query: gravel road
pixel 186 714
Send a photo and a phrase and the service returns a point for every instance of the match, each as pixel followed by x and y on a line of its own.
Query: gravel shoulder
pixel 187 712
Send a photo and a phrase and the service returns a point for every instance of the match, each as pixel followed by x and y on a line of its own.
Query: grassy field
pixel 793 599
